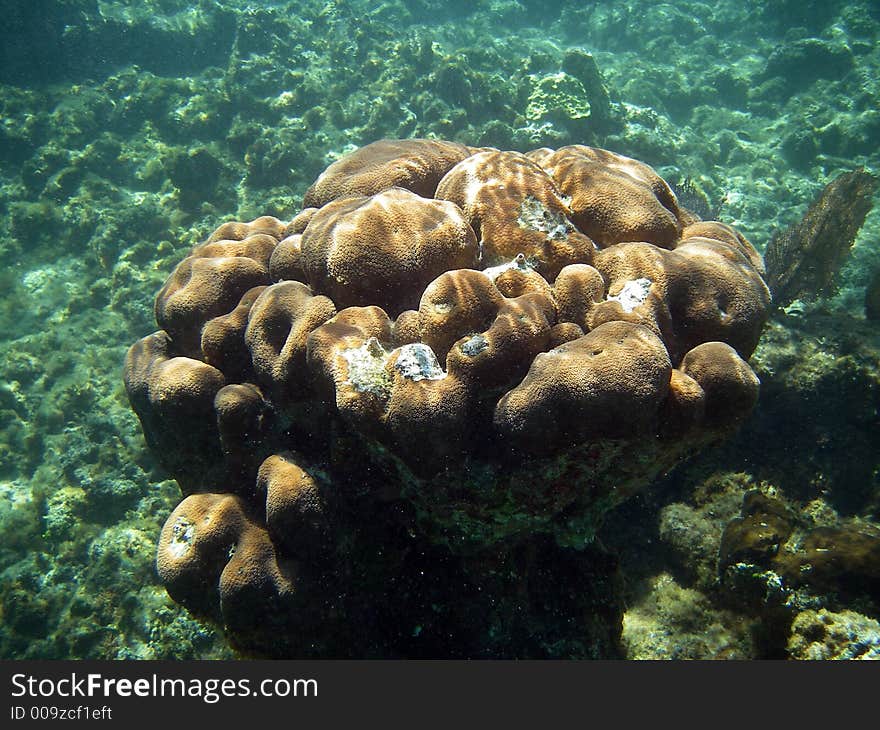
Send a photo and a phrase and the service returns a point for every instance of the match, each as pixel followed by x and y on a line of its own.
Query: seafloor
pixel 130 130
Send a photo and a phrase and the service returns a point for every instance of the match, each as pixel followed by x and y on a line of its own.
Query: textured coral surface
pixel 498 344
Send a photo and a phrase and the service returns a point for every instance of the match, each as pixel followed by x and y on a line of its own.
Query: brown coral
pixel 414 164
pixel 222 341
pixel 213 278
pixel 455 304
pixel 437 332
pixel 279 322
pixel 701 291
pixel 211 553
pixel 341 352
pixel 730 386
pixel 609 383
pixel 615 198
pixel 516 209
pixel 209 283
pixel 296 506
pixel 384 249
pixel 174 392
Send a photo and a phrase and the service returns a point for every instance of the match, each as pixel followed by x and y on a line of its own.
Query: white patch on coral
pixel 366 368
pixel 474 345
pixel 181 538
pixel 633 294
pixel 520 262
pixel 474 185
pixel 418 362
pixel 536 216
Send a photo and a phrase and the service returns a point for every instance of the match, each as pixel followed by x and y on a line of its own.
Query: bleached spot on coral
pixel 633 294
pixel 182 532
pixel 519 262
pixel 474 345
pixel 536 216
pixel 418 362
pixel 366 368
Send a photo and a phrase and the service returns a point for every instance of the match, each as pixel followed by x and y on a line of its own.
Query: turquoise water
pixel 132 130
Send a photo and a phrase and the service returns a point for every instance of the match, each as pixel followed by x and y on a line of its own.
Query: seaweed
pixel 803 261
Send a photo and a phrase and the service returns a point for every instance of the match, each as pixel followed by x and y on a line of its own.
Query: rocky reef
pixel 774 556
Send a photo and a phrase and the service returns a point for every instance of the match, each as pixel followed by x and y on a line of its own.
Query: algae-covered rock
pixel 673 622
pixel 560 100
pixel 583 66
pixel 826 634
pixel 802 61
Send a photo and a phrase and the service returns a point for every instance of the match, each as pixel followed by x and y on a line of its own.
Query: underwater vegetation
pixel 804 260
pixel 133 130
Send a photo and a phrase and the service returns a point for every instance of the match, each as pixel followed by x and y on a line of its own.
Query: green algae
pixel 559 101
